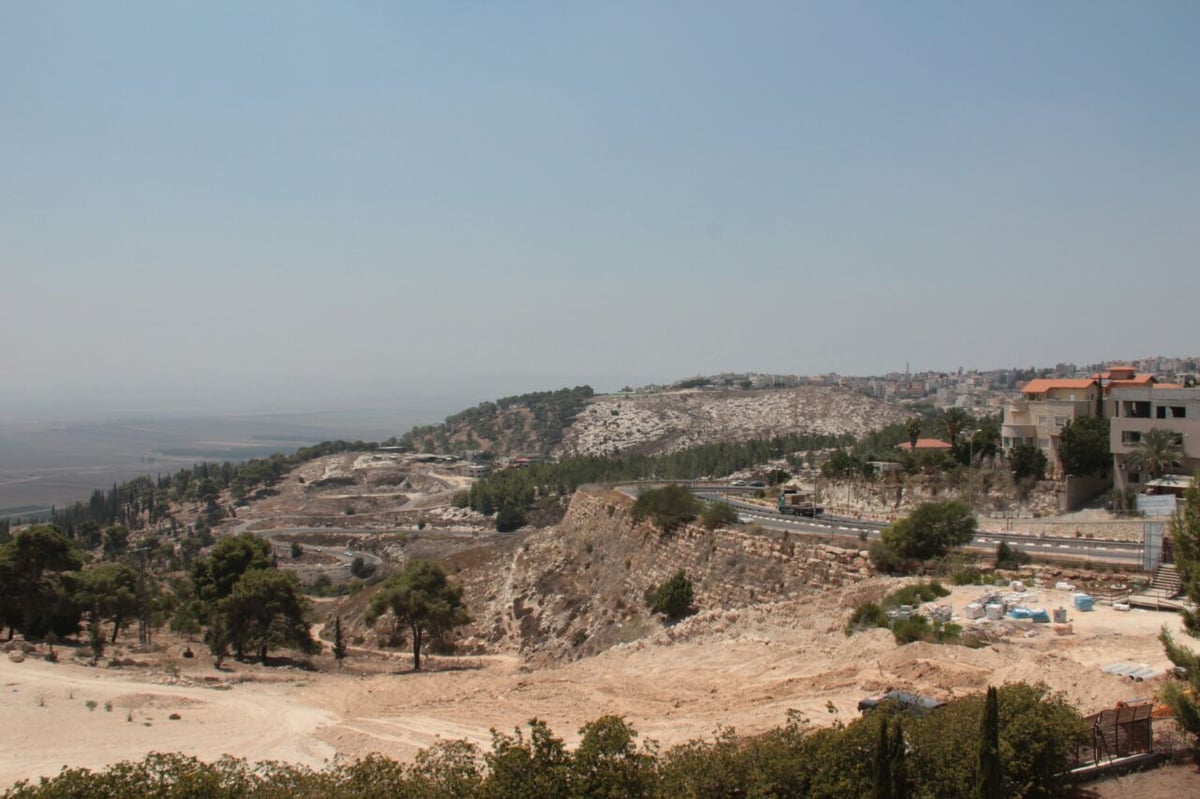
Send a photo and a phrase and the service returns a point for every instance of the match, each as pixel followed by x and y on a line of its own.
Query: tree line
pixel 1019 741
pixel 146 501
pixel 518 488
pixel 549 414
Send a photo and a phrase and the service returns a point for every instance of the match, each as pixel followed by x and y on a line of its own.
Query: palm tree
pixel 954 422
pixel 1158 451
pixel 913 428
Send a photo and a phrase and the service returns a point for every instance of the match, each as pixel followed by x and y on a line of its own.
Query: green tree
pixel 215 576
pixel 990 777
pixel 37 573
pixel 898 761
pixel 1183 694
pixel 509 519
pixel 96 637
pixel 953 422
pixel 111 591
pixel 116 541
pixel 265 609
pixel 422 598
pixel 882 775
pixel 339 643
pixel 912 428
pixel 528 768
pixel 718 514
pixel 608 763
pixel 1027 461
pixel 1083 446
pixel 674 598
pixel 931 530
pixel 668 507
pixel 985 441
pixel 1158 452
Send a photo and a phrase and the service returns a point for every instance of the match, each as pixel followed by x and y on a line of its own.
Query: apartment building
pixel 1045 408
pixel 1135 408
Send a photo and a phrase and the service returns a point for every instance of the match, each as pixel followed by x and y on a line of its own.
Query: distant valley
pixel 57 461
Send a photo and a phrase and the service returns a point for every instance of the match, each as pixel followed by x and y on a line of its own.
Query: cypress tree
pixel 339 645
pixel 896 763
pixel 883 770
pixel 990 778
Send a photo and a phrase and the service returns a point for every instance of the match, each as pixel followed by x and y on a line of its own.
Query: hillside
pixel 562 634
pixel 575 422
pixel 668 421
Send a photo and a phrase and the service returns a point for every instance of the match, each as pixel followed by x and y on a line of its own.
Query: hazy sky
pixel 322 203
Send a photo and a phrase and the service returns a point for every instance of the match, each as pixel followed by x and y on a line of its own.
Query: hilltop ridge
pixel 575 421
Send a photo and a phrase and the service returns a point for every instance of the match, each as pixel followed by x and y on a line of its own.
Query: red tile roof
pixel 1042 385
pixel 926 444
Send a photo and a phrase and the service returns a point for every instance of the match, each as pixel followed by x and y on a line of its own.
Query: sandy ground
pixel 744 668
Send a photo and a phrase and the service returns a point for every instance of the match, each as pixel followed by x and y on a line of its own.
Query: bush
pixel 360 568
pixel 674 598
pixel 1008 557
pixel 886 559
pixel 461 499
pixel 914 628
pixel 668 507
pixel 931 530
pixel 509 519
pixel 971 575
pixel 718 514
pixel 865 617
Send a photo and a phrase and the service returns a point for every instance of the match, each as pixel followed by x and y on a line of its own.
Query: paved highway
pixel 1124 553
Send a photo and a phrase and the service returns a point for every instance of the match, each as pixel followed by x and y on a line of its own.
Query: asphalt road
pixel 1124 553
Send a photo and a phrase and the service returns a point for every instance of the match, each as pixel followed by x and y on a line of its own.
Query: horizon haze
pixel 297 206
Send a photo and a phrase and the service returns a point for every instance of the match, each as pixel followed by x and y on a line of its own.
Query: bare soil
pixel 743 668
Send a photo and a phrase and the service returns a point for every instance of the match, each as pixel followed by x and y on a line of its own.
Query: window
pixel 1060 421
pixel 1135 409
pixel 1044 443
pixel 1135 477
pixel 1178 412
pixel 1131 437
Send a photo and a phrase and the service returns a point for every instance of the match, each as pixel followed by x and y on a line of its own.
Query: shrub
pixel 931 530
pixel 885 558
pixel 668 507
pixel 865 617
pixel 509 519
pixel 674 598
pixel 914 628
pixel 718 514
pixel 971 575
pixel 1008 557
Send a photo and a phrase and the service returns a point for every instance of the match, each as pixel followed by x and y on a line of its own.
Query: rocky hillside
pixel 574 422
pixel 581 588
pixel 668 421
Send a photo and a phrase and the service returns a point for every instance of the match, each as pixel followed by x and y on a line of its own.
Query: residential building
pixel 1046 406
pixel 1135 408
